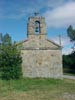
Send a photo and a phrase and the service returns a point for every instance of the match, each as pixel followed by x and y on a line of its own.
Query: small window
pixel 37 27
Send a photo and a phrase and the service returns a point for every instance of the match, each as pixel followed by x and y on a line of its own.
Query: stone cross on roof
pixel 36 13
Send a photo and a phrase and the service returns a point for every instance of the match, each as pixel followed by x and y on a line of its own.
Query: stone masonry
pixel 41 56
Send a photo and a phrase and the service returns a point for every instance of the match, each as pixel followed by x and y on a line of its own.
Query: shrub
pixel 10 61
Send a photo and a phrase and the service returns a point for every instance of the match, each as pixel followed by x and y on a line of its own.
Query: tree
pixel 71 34
pixel 7 39
pixel 69 63
pixel 69 60
pixel 1 38
pixel 10 59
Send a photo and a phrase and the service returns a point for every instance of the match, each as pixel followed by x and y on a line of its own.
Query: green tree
pixel 1 38
pixel 7 39
pixel 69 60
pixel 71 34
pixel 10 59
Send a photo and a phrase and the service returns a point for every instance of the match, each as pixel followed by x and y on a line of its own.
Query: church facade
pixel 41 57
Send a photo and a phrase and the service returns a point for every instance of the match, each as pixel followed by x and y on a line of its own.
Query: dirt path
pixel 69 77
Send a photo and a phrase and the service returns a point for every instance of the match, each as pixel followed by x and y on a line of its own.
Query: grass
pixel 37 89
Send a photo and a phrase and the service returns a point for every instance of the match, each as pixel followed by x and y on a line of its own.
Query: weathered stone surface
pixel 42 63
pixel 41 57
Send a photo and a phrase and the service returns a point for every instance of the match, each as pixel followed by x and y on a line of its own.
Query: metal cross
pixel 36 13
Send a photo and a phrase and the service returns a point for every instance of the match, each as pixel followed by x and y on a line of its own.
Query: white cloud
pixel 64 40
pixel 53 3
pixel 65 43
pixel 61 16
pixel 15 10
pixel 67 51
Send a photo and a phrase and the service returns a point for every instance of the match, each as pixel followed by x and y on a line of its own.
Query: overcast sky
pixel 59 14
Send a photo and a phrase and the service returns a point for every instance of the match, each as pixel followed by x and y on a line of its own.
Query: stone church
pixel 41 56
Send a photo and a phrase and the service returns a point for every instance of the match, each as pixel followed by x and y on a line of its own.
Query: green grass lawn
pixel 37 89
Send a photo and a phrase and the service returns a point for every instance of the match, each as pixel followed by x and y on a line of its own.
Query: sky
pixel 59 14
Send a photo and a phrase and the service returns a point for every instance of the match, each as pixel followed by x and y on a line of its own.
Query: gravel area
pixel 69 77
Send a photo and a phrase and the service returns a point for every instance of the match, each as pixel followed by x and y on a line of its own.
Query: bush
pixel 10 61
pixel 69 63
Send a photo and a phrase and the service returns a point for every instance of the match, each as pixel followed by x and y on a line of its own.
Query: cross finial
pixel 36 13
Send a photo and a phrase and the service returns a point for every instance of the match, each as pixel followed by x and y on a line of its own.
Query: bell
pixel 37 29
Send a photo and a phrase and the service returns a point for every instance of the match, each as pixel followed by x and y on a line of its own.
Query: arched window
pixel 37 27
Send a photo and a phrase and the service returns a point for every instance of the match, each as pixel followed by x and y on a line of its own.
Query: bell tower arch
pixel 36 26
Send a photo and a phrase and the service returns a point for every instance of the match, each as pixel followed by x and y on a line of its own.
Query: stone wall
pixel 42 63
